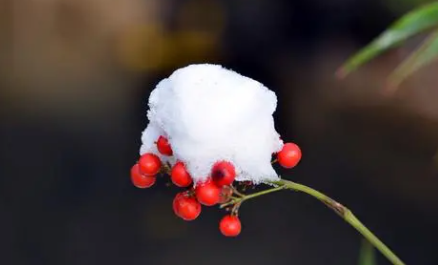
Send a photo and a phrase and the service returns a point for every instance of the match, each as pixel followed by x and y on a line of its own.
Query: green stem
pixel 341 210
pixel 243 198
pixel 263 192
pixel 347 215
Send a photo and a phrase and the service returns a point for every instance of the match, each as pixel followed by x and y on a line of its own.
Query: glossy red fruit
pixel 208 193
pixel 150 164
pixel 140 180
pixel 179 175
pixel 175 203
pixel 163 146
pixel 186 207
pixel 230 226
pixel 223 173
pixel 289 156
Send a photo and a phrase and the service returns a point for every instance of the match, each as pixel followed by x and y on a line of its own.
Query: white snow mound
pixel 209 114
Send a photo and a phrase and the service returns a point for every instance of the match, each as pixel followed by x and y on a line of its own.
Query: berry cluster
pixel 218 188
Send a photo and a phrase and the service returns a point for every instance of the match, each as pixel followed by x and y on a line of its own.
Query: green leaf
pixel 367 254
pixel 425 54
pixel 414 22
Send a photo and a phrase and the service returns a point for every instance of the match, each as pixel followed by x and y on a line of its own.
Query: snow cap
pixel 209 114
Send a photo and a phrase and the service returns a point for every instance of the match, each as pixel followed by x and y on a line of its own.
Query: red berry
pixel 289 156
pixel 140 180
pixel 179 175
pixel 226 193
pixel 230 226
pixel 208 193
pixel 163 146
pixel 186 207
pixel 176 202
pixel 150 164
pixel 223 173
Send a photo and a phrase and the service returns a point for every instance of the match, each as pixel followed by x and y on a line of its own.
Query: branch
pixel 338 208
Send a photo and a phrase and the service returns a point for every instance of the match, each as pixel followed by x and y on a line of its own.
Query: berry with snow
pixel 223 173
pixel 163 146
pixel 179 175
pixel 150 164
pixel 289 156
pixel 220 124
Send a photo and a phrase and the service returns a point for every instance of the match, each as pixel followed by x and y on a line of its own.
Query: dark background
pixel 75 77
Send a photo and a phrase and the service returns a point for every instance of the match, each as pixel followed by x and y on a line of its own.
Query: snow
pixel 209 113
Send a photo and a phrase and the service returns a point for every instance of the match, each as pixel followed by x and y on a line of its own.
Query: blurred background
pixel 75 76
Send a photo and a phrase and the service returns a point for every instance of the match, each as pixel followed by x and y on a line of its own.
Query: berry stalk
pixel 338 208
pixel 242 197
